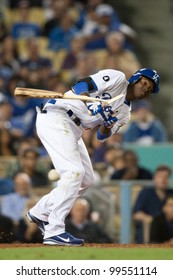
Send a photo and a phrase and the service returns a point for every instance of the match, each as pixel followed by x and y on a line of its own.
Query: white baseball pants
pixel 62 140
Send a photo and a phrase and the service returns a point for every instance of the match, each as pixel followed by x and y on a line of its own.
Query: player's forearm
pixel 105 130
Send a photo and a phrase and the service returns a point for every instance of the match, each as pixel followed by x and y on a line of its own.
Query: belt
pixel 75 119
pixel 70 113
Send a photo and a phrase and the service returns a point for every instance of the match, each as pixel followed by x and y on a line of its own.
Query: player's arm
pixel 84 86
pixel 123 117
pixel 103 133
pixel 113 123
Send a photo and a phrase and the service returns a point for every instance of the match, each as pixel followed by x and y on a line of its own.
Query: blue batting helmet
pixel 148 73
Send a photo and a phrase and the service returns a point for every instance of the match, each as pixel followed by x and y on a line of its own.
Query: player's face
pixel 143 88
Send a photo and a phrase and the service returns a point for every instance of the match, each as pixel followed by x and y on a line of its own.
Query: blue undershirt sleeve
pixel 80 87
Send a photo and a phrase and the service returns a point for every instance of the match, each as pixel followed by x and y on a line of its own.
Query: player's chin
pixel 139 97
pixel 143 95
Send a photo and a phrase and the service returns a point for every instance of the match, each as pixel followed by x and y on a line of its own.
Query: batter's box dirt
pixel 30 245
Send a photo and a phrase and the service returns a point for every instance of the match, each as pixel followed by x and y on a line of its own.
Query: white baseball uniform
pixel 62 139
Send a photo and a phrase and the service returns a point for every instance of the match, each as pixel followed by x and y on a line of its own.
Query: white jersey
pixel 110 83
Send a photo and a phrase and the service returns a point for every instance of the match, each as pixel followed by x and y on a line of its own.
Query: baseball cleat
pixel 63 239
pixel 41 224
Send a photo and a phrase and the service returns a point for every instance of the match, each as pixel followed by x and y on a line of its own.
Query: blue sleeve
pixel 84 85
pixel 80 87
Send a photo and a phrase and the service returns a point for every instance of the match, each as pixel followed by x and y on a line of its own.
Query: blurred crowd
pixel 48 45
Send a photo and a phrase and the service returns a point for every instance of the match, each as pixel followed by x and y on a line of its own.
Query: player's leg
pixel 62 146
pixel 88 178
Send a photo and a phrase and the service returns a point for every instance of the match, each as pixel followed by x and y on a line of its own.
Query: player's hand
pixel 110 121
pixel 95 108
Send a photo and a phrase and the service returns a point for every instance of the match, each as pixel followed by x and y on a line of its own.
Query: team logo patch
pixel 106 78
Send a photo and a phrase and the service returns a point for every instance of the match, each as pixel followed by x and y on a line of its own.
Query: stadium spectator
pixel 60 36
pixel 60 87
pixel 6 186
pixel 33 55
pixel 85 66
pixel 29 165
pixel 10 54
pixel 36 67
pixel 131 170
pixel 161 230
pixel 12 4
pixel 23 28
pixel 145 128
pixel 5 74
pixel 7 231
pixel 95 3
pixel 13 204
pixel 150 201
pixel 15 126
pixel 23 108
pixel 104 19
pixel 77 46
pixel 80 224
pixel 91 23
pixel 6 142
pixel 115 140
pixel 53 12
pixel 115 43
pixel 54 77
pixel 3 29
pixel 43 164
pixel 98 149
pixel 114 158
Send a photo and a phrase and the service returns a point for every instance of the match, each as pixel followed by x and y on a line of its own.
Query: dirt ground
pixel 30 245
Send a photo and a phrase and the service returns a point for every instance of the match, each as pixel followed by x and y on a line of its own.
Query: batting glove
pixel 95 108
pixel 110 121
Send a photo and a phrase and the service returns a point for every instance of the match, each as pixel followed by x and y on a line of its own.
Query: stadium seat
pixel 43 47
pixel 37 16
pixel 8 17
pixel 22 47
pixel 66 76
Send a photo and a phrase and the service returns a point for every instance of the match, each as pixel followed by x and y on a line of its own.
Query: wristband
pixel 101 136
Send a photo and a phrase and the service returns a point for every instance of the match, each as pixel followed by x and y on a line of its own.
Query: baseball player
pixel 60 125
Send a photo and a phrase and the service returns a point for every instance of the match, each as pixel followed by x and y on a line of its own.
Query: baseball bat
pixel 38 93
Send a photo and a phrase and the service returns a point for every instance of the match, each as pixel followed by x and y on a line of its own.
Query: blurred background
pixel 48 45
